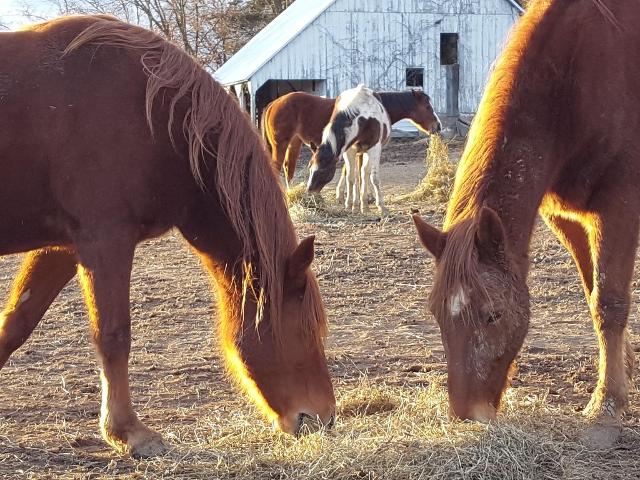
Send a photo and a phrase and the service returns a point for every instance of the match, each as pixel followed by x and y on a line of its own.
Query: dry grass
pixel 437 184
pixel 383 432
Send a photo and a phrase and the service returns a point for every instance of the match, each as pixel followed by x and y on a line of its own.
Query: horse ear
pixel 300 261
pixel 491 237
pixel 433 239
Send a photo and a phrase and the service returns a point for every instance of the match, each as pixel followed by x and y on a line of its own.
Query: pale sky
pixel 10 11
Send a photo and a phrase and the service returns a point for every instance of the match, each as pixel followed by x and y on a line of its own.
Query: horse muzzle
pixel 318 178
pixel 303 423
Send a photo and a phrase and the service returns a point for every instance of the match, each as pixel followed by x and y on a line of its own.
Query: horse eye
pixel 494 317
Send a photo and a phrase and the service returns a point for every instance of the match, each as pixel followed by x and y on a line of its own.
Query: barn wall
pixel 374 41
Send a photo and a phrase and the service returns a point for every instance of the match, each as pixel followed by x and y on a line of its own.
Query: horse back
pixel 299 113
pixel 75 144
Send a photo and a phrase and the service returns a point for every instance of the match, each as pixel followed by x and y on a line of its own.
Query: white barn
pixel 327 46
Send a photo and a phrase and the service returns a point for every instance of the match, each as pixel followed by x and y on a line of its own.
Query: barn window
pixel 415 77
pixel 448 48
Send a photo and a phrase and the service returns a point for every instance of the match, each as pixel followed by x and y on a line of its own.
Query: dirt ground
pixel 374 277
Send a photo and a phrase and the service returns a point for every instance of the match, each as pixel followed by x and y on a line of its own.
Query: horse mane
pixel 485 134
pixel 216 128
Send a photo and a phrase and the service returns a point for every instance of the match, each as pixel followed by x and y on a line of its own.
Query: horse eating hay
pixel 85 180
pixel 556 132
pixel 360 124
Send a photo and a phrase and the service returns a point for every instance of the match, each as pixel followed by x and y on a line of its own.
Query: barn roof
pixel 270 40
pixel 274 37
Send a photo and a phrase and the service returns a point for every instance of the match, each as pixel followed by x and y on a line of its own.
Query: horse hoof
pixel 601 437
pixel 146 445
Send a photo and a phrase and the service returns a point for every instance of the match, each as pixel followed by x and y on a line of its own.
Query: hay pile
pixel 437 184
pixel 309 208
pixel 382 432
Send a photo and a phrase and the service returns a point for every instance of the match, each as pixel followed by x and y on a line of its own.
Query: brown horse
pixel 290 121
pixel 556 132
pixel 110 136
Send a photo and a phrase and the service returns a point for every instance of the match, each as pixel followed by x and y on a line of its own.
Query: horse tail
pixel 264 129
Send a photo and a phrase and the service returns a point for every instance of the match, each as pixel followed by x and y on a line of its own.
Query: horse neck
pixel 228 275
pixel 515 151
pixel 396 105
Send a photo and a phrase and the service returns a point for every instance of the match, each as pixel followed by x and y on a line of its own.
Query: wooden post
pixel 453 88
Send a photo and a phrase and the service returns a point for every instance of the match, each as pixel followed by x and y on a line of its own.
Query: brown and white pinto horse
pixel 361 124
pixel 556 133
pixel 290 121
pixel 84 180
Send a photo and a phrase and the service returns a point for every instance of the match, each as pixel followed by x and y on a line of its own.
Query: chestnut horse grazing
pixel 556 132
pixel 290 121
pixel 110 136
pixel 361 124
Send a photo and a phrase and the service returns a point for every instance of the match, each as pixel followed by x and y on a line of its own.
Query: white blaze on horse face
pixel 457 302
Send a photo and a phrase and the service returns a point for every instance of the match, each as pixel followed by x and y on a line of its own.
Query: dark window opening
pixel 448 48
pixel 415 77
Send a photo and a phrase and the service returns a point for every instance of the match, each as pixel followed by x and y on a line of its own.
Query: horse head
pixel 422 114
pixel 481 304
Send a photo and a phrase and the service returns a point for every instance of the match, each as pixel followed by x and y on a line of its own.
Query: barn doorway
pixel 273 89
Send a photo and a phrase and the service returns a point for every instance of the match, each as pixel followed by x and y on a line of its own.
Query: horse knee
pixel 113 345
pixel 610 312
pixel 15 329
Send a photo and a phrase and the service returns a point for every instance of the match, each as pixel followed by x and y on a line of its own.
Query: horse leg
pixel 349 173
pixel 365 173
pixel 291 158
pixel 374 161
pixel 105 273
pixel 613 238
pixel 575 239
pixel 42 275
pixel 341 183
pixel 278 153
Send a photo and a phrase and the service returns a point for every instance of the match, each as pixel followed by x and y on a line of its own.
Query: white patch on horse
pixel 457 302
pixel 329 137
pixel 24 297
pixel 349 96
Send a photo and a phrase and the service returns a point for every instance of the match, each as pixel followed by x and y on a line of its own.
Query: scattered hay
pixel 382 432
pixel 437 184
pixel 310 208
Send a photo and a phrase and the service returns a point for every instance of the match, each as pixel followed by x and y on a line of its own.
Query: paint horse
pixel 290 121
pixel 361 124
pixel 110 136
pixel 556 133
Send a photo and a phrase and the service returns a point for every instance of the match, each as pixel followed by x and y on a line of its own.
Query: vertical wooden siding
pixel 374 41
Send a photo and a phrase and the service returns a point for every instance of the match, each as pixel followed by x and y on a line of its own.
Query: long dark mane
pixel 217 131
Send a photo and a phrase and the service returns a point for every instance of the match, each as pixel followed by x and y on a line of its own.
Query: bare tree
pixel 209 30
